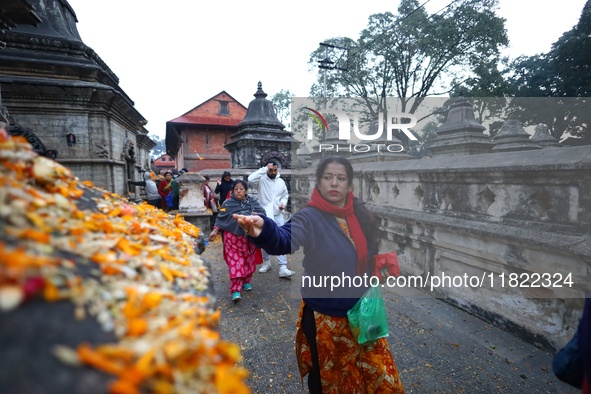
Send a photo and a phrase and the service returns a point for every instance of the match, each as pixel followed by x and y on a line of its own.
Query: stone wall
pixel 100 140
pixel 209 144
pixel 517 212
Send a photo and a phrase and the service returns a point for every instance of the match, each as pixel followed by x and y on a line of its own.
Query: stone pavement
pixel 437 347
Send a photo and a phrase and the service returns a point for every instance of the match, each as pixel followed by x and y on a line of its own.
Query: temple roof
pixel 57 19
pixel 208 100
pixel 261 112
pixel 205 120
pixel 15 12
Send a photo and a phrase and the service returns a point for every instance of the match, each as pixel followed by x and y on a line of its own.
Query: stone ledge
pixel 565 158
pixel 91 161
pixel 576 244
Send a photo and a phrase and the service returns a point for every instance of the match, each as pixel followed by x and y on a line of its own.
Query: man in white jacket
pixel 273 195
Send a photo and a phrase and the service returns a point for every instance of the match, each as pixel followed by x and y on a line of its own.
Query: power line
pixel 432 15
pixel 374 39
pixel 410 29
pixel 403 19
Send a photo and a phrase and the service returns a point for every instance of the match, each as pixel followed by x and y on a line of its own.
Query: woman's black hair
pixel 335 159
pixel 240 182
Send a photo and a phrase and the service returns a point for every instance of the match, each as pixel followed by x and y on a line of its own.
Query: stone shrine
pixel 261 136
pixel 543 138
pixel 61 93
pixel 512 137
pixel 191 204
pixel 461 134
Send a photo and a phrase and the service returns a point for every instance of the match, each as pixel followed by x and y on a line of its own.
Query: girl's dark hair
pixel 335 159
pixel 240 182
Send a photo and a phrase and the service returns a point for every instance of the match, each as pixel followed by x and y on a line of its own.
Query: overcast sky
pixel 171 56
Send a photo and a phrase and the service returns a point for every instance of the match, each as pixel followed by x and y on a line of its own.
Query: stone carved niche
pixel 541 202
pixel 31 137
pixel 395 192
pixel 486 198
pixel 373 190
pixel 449 196
pixel 418 194
pixel 101 149
pixel 274 155
pixel 128 150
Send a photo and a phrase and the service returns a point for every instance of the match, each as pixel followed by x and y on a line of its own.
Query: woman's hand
pixel 252 225
pixel 212 235
pixel 219 181
pixel 384 274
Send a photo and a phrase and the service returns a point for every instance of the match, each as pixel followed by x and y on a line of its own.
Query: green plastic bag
pixel 368 319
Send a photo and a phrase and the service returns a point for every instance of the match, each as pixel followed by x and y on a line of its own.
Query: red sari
pixel 163 193
pixel 242 258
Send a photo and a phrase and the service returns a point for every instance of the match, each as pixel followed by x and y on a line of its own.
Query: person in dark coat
pixel 585 344
pixel 225 185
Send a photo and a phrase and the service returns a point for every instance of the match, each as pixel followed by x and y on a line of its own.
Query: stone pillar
pixel 461 134
pixel 512 137
pixel 304 158
pixel 543 137
pixel 191 204
pixel 260 136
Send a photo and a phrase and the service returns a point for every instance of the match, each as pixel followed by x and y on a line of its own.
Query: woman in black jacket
pixel 225 185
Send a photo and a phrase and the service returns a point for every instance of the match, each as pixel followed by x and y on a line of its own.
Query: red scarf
pixel 348 213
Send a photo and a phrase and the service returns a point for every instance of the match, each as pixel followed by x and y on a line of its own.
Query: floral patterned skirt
pixel 345 366
pixel 242 258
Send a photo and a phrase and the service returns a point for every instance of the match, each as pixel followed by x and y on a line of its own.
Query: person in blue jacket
pixel 339 238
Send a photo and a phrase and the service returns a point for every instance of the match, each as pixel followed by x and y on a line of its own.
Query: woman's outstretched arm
pixel 266 234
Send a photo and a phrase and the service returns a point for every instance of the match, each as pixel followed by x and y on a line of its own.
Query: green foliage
pixel 425 137
pixel 410 55
pixel 407 56
pixel 564 73
pixel 282 103
pixel 571 58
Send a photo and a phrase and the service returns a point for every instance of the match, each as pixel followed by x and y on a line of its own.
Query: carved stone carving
pixel 274 155
pixel 102 149
pixel 128 150
pixel 30 136
pixel 3 114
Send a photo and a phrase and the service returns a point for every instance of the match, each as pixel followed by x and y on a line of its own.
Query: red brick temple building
pixel 196 139
pixel 165 162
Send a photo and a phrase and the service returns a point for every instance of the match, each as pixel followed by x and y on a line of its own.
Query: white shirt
pixel 271 192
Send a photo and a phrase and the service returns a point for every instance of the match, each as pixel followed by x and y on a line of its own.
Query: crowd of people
pixel 338 236
pixel 162 191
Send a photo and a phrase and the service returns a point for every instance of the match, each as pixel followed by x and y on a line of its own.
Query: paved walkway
pixel 437 347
